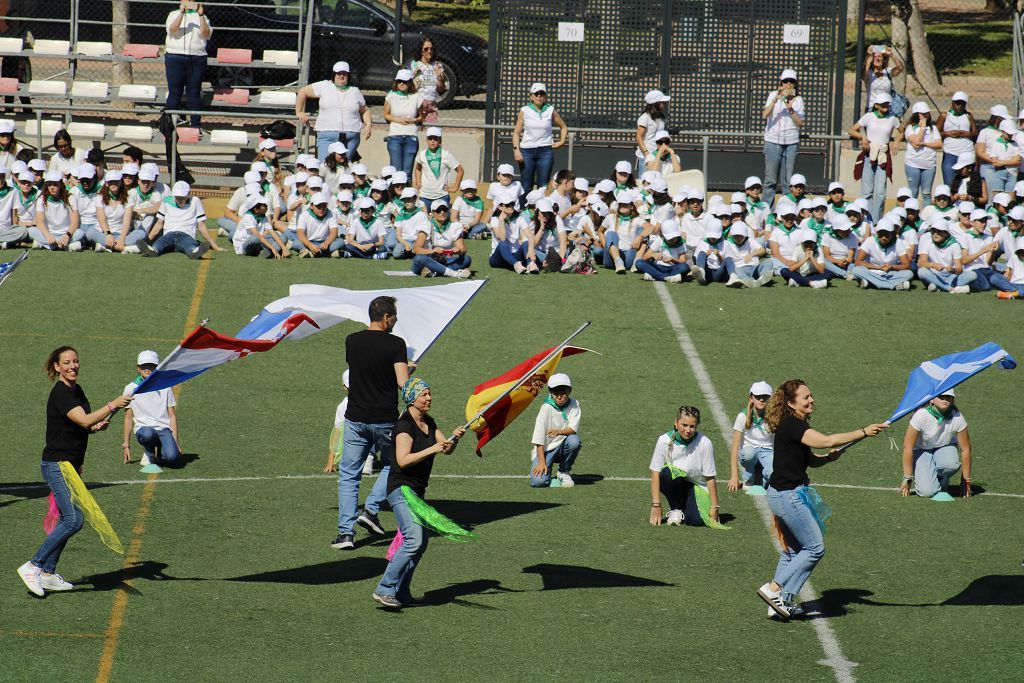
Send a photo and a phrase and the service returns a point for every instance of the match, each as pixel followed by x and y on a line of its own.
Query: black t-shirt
pixel 373 387
pixel 791 457
pixel 65 440
pixel 414 476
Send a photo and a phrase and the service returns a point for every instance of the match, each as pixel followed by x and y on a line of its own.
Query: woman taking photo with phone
pixel 188 31
pixel 783 114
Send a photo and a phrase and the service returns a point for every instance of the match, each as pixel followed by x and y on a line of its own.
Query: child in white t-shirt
pixel 468 209
pixel 153 418
pixel 753 445
pixel 930 448
pixel 683 460
pixel 556 438
pixel 337 440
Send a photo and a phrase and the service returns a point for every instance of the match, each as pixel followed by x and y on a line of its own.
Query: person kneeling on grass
pixel 439 249
pixel 807 268
pixel 179 218
pixel 752 444
pixel 930 449
pixel 665 259
pixel 365 236
pixel 317 230
pixel 153 418
pixel 683 460
pixel 417 441
pixel 254 236
pixel 743 259
pixel 556 438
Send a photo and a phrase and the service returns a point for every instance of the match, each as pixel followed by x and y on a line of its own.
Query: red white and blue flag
pixel 7 268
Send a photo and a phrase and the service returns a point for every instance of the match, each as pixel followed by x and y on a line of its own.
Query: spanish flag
pixel 500 400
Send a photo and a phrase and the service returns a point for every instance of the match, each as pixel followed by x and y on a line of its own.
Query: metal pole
pixel 491 152
pixel 39 131
pixel 840 87
pixel 173 161
pixel 862 13
pixel 307 41
pixel 704 160
pixel 396 51
pixel 572 147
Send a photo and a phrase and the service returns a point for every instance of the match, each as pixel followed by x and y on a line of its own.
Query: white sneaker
pixel 54 582
pixel 305 253
pixel 75 246
pixel 932 288
pixel 221 232
pixel 774 600
pixel 620 267
pixel 368 465
pixel 462 273
pixel 734 281
pixel 765 278
pixel 648 277
pixel 674 278
pixel 748 283
pixel 793 283
pixel 902 287
pixel 795 610
pixel 131 249
pixel 565 480
pixel 962 289
pixel 519 267
pixel 699 275
pixel 36 245
pixel 822 284
pixel 864 284
pixel 336 254
pixel 675 518
pixel 849 276
pixel 30 574
pixel 147 458
pixel 633 269
pixel 99 248
pixel 532 268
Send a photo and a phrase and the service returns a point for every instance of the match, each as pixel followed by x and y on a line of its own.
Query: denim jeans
pixel 804 541
pixel 400 252
pixel 751 457
pixel 398 574
pixel 987 278
pixel 779 162
pixel 748 272
pixel 803 280
pixel 185 73
pixel 175 241
pixel 402 151
pixel 70 523
pixel 882 280
pixel 457 262
pixel 356 252
pixel 872 187
pixel 253 247
pixel 611 239
pixel 659 271
pixel 335 245
pixel 506 256
pixel 837 270
pixel 932 469
pixel 475 230
pixel 36 235
pixel 945 281
pixel 152 439
pixel 563 455
pixel 360 440
pixel 719 274
pixel 948 172
pixel 920 180
pixel 537 165
pixel 14 234
pixel 679 494
pixel 999 180
pixel 228 226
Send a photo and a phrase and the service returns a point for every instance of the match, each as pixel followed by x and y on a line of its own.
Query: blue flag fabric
pixel 7 268
pixel 934 377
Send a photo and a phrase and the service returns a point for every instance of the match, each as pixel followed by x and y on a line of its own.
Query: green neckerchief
pixel 949 241
pixel 438 228
pixel 264 186
pixel 755 421
pixel 541 110
pixel 341 87
pixel 879 115
pixel 551 402
pixel 49 198
pixel 399 92
pixel 5 190
pixel 792 197
pixel 916 223
pixel 138 380
pixel 32 196
pixel 991 127
pixel 623 219
pixel 477 203
pixel 261 221
pixel 937 414
pixel 677 438
pixel 814 225
pixel 317 218
pixel 839 205
pixel 782 226
pixel 144 196
pixel 879 243
pixel 89 193
pixel 619 186
pixel 362 191
pixel 713 244
pixel 1005 143
pixel 434 161
pixel 945 210
pixel 756 205
pixel 367 224
pixel 403 215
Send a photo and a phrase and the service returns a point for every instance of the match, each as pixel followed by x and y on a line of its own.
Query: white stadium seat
pixel 277 97
pixel 229 136
pixel 48 128
pixel 44 88
pixel 11 44
pixel 95 89
pixel 282 57
pixel 135 133
pixel 137 92
pixel 52 47
pixel 87 131
pixel 94 49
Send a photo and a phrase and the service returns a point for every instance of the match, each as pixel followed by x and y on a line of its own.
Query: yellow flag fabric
pixel 81 497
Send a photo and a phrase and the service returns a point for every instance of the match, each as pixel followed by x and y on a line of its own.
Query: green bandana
pixel 399 92
pixel 937 414
pixel 755 421
pixel 439 228
pixel 677 438
pixel 5 190
pixel 550 400
pixel 434 161
pixel 144 196
pixel 541 110
pixel 138 380
pixel 30 199
pixel 404 215
pixel 477 203
pixel 341 87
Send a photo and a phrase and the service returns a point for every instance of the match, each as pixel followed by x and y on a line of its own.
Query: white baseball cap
pixel 819 202
pixel 966 208
pixel 252 188
pixel 337 148
pixel 439 204
pixel 130 169
pixel 1000 110
pixel 722 211
pixel 52 177
pixel 662 135
pixel 883 98
pixel 538 87
pixel 387 171
pixel 180 189
pixel 670 229
pixel 347 179
pixel 1006 126
pixel 81 171
pixel 787 74
pixel 624 197
pixel 912 205
pixel 965 159
pixel 468 184
pixel 738 198
pixel 903 192
pixel 314 182
pixel 807 235
pixel 559 379
pixel 659 185
pixel 399 178
pixel 605 185
pixel 1017 213
pixel 147 173
pixel 261 167
pixel 1020 114
pixel 254 200
pixel 27 175
pixel 694 193
pixel 960 96
pixel 345 196
pixel 403 75
pixel 797 179
pixel 380 185
pixel 1002 198
pixel 148 358
pixel 581 184
pixel 739 230
pixel 752 181
pixel 17 167
pixel 942 191
pixel 835 185
pixel 885 225
pixel 544 205
pixel 303 159
pixel 1019 244
pixel 112 177
pixel 761 389
pixel 341 67
pixel 37 165
pixel 655 96
pixel 317 199
pixel 250 177
pixel 623 167
pixel 785 209
pixel 601 209
pixel 409 193
pixel 266 144
pixel 534 195
pixel 948 392
pixel 364 203
pixel 979 215
pixel 920 108
pixel 804 204
pixel 434 132
pixel 505 197
pixel 506 169
pixel 300 177
pixel 359 169
pixel 713 231
pixel 311 165
pixel 840 222
pixel 6 126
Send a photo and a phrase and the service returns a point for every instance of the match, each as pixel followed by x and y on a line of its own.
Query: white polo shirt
pixel 436 186
pixel 934 435
pixel 243 233
pixel 741 254
pixel 58 216
pixel 151 409
pixel 878 256
pixel 757 436
pixel 779 128
pixel 178 219
pixel 366 234
pixel 549 417
pixel 440 237
pixel 85 205
pixel 316 229
pixel 339 107
pixel 878 129
pixel 697 458
pixel 946 255
pixel 841 247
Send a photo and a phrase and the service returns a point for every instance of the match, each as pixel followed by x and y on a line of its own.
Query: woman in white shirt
pixel 1000 171
pixel 919 160
pixel 683 460
pixel 648 125
pixel 507 244
pixel 930 449
pixel 343 115
pixel 875 132
pixel 533 140
pixel 880 263
pixel 67 157
pixel 403 110
pixel 752 444
pixel 188 30
pixel 878 75
pixel 958 131
pixel 940 263
pixel 839 248
pixel 429 78
pixel 53 214
pixel 783 114
pixel 986 135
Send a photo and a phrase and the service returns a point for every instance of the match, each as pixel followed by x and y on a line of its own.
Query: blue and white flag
pixel 935 377
pixel 7 268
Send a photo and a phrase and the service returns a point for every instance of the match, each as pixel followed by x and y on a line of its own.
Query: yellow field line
pixel 49 634
pixel 117 611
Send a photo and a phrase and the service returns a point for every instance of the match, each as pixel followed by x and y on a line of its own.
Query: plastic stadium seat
pixel 232 55
pixel 229 136
pixel 8 86
pixel 282 57
pixel 95 89
pixel 52 47
pixel 47 127
pixel 141 50
pixel 137 92
pixel 134 133
pixel 45 88
pixel 11 44
pixel 283 144
pixel 231 95
pixel 87 131
pixel 188 135
pixel 94 49
pixel 277 97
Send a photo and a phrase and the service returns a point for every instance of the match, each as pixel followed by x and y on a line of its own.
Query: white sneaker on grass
pixel 565 480
pixel 675 518
pixel 793 283
pixel 99 249
pixel 820 284
pixel 462 273
pixel 648 277
pixel 902 287
pixel 131 249
pixel 674 278
pixel 774 600
pixel 734 281
pixel 30 574
pixel 699 275
pixel 932 288
pixel 368 465
pixel 75 246
pixel 620 266
pixel 148 459
pixel 519 267
pixel 765 278
pixel 54 582
pixel 962 289
pixel 221 232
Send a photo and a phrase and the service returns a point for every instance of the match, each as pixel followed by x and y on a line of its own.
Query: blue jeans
pixel 185 73
pixel 920 180
pixel 475 230
pixel 402 151
pixel 564 455
pixel 748 272
pixel 803 280
pixel 837 270
pixel 679 494
pixel 751 457
pixel 456 262
pixel 70 523
pixel 779 162
pixel 948 172
pixel 611 239
pixel 659 271
pixel 356 252
pixel 537 165
pixel 945 281
pixel 872 187
pixel 360 440
pixel 999 180
pixel 175 241
pixel 932 469
pixel 338 243
pixel 806 545
pixel 882 280
pixel 987 278
pixel 506 256
pixel 719 274
pixel 325 138
pixel 162 439
pixel 36 235
pixel 228 226
pixel 398 574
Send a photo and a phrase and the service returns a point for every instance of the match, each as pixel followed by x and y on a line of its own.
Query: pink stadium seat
pixel 8 85
pixel 283 144
pixel 188 135
pixel 230 55
pixel 231 95
pixel 140 50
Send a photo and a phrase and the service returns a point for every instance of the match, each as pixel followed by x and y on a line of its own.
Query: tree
pixel 908 27
pixel 122 71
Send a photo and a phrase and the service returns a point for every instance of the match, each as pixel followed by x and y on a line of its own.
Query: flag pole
pixel 555 351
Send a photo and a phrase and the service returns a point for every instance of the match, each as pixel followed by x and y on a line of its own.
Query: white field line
pixel 834 656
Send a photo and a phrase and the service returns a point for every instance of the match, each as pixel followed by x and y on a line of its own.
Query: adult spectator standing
pixel 343 117
pixel 648 125
pixel 878 74
pixel 532 138
pixel 958 133
pixel 923 142
pixel 378 367
pixel 188 31
pixel 437 172
pixel 783 114
pixel 875 132
pixel 403 111
pixel 429 78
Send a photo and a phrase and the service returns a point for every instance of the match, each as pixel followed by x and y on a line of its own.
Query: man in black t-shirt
pixel 378 367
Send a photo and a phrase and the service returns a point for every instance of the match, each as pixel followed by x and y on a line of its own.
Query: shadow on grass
pixel 455 593
pixel 34 491
pixel 986 591
pixel 147 570
pixel 566 576
pixel 991 590
pixel 473 513
pixel 339 571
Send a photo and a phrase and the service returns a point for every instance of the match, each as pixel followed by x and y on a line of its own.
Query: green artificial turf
pixel 236 577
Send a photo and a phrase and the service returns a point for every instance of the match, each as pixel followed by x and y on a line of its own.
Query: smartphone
pixel 878 48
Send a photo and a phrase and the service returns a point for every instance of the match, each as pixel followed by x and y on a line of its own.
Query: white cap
pixel 359 169
pixel 180 189
pixel 581 184
pixel 300 177
pixel 722 210
pixel 27 175
pixel 599 207
pixel 250 177
pixel 259 167
pixel 713 231
pixel 434 132
pixel 266 144
pixel 751 181
pixel 17 167
pixel 835 185
pixel 403 75
pixel 1020 114
pixel 787 74
pixel 623 167
pixel 624 197
pixel 1002 198
pixel 388 172
pixel 559 379
pixel 898 211
pixel 146 173
pixel 252 188
pixel 399 178
pixel 506 169
pixel 468 184
pixel 345 196
pixel 380 185
pixel 81 171
pixel 912 205
pixel 903 192
pixel 920 108
pixel 112 177
pixel 738 198
pixel 408 193
pixel 942 191
pixel 965 159
pixel 948 392
pixel 739 230
pixel 979 215
pixel 544 205
pixel 6 126
pixel 1019 244
pixel 254 200
pixel 1000 110
pixel 655 96
pixel 761 389
pixel 148 358
pixel 311 165
pixel 785 209
pixel 885 225
pixel 648 176
pixel 840 222
pixel 1017 213
pixel 347 179
pixel 960 96
pixel 797 179
pixel 662 135
pixel 341 67
pixel 534 195
pixel 365 203
pixel 1006 126
pixel 538 87
pixel 37 165
pixel 659 185
pixel 694 193
pixel 150 165
pixel 605 185
pixel 670 229
pixel 804 204
pixel 806 235
pixel 318 198
pixel 314 182
pixel 819 202
pixel 337 148
pixel 303 159
pixel 439 204
pixel 883 98
pixel 679 197
pixel 130 169
pixel 862 204
pixel 503 196
pixel 53 177
pixel 966 208
pixel 344 378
